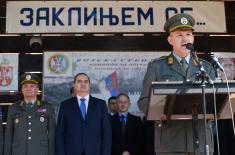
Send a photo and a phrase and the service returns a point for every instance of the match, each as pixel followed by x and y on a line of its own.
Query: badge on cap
pixel 28 77
pixel 184 21
pixel 17 121
pixel 42 119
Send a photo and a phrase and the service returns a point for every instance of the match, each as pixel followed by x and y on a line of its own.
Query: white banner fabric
pixel 109 16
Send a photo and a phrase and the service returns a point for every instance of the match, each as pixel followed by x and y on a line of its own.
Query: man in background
pixel 112 105
pixel 127 129
pixel 83 126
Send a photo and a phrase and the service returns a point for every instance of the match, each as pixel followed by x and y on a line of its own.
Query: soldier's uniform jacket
pixel 30 131
pixel 179 136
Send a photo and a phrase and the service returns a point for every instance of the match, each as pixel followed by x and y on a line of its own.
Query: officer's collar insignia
pixel 21 103
pixel 38 103
pixel 184 21
pixel 170 60
pixel 43 110
pixel 194 62
pixel 28 77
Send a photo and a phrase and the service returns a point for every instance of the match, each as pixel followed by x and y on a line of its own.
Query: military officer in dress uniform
pixel 30 126
pixel 180 65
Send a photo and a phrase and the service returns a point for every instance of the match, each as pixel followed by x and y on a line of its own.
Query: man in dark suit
pixel 127 129
pixel 112 105
pixel 83 126
pixel 30 128
pixel 180 65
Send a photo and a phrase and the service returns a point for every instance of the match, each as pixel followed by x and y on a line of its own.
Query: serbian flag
pixel 111 83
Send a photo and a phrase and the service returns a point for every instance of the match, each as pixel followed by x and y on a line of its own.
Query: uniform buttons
pixel 30 123
pixel 159 125
pixel 29 130
pixel 29 138
pixel 29 116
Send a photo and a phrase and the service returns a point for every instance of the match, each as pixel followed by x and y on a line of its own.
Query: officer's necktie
pixel 123 124
pixel 184 64
pixel 29 105
pixel 83 108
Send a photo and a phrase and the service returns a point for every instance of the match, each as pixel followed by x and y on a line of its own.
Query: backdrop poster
pixel 57 64
pixel 110 74
pixel 227 60
pixel 9 72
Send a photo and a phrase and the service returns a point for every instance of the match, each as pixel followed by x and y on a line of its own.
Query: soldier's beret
pixel 29 78
pixel 179 21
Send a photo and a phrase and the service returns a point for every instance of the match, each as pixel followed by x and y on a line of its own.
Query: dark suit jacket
pixel 133 135
pixel 92 135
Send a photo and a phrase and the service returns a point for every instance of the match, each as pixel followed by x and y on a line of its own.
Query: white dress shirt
pixel 178 58
pixel 86 100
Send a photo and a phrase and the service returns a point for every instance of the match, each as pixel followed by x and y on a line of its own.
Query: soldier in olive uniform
pixel 30 126
pixel 180 65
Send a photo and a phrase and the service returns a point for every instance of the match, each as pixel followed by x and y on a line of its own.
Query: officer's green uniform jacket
pixel 179 136
pixel 30 131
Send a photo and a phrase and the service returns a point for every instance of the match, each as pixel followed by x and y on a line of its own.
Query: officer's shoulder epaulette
pixel 45 102
pixel 17 103
pixel 162 57
pixel 158 59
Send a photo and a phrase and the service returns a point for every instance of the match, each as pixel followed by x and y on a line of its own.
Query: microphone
pixel 217 63
pixel 190 47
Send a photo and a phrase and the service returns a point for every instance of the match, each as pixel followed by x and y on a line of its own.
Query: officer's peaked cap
pixel 29 78
pixel 179 21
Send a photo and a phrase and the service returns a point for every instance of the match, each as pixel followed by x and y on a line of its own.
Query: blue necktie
pixel 83 108
pixel 123 124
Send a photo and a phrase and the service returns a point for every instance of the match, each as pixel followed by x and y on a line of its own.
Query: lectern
pixel 175 99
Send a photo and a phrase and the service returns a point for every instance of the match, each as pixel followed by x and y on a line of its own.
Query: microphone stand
pixel 201 74
pixel 218 67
